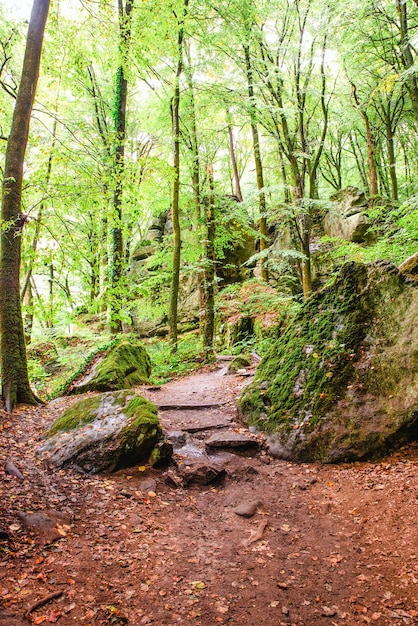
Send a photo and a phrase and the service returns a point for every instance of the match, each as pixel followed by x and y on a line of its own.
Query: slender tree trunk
pixel 237 181
pixel 406 54
pixel 175 208
pixel 263 229
pixel 35 239
pixel 371 156
pixel 15 381
pixel 359 161
pixel 209 324
pixel 370 144
pixel 50 319
pixel 116 270
pixel 197 195
pixel 391 157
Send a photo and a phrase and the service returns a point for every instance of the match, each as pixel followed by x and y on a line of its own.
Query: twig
pixel 258 533
pixel 39 603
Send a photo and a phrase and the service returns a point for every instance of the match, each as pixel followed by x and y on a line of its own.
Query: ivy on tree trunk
pixel 116 262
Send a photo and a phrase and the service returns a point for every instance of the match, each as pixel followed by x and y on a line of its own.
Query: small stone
pixel 328 612
pixel 12 470
pixel 147 485
pixel 246 509
pixel 177 437
pixel 172 480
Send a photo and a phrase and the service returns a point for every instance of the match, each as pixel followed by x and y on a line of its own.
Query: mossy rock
pixel 110 431
pixel 125 365
pixel 241 361
pixel 340 382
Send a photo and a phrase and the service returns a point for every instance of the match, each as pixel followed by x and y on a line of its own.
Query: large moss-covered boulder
pixel 109 431
pixel 341 382
pixel 124 365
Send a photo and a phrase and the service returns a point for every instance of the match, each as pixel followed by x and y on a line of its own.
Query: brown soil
pixel 328 545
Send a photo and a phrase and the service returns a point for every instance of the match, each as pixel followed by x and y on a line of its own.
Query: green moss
pixel 141 409
pixel 312 361
pixel 82 412
pixel 239 362
pixel 125 365
pixel 143 426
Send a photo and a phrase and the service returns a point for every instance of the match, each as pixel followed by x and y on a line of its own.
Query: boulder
pixel 109 431
pixel 341 382
pixel 348 217
pixel 410 267
pixel 124 365
pixel 241 361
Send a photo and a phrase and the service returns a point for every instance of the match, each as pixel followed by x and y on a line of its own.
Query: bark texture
pixel 175 209
pixel 15 381
pixel 119 166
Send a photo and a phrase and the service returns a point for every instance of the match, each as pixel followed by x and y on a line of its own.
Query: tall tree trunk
pixel 50 319
pixel 120 131
pixel 237 181
pixel 209 317
pixel 370 144
pixel 15 381
pixel 406 54
pixel 371 156
pixel 35 239
pixel 175 209
pixel 391 156
pixel 197 195
pixel 359 160
pixel 263 229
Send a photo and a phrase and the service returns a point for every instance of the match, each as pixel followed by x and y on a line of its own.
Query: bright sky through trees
pixel 17 9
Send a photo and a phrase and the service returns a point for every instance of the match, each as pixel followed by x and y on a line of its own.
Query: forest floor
pixel 319 545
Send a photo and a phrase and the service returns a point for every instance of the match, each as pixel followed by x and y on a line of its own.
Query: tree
pixel 15 381
pixel 120 132
pixel 175 209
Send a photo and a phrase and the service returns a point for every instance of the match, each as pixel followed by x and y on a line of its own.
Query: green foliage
pixel 165 365
pixel 38 376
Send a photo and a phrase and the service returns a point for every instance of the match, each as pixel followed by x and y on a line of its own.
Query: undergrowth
pixel 166 365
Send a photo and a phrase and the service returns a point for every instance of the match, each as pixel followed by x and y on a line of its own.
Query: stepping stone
pixel 201 474
pixel 232 439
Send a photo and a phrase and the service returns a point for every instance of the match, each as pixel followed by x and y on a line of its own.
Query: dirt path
pixel 326 545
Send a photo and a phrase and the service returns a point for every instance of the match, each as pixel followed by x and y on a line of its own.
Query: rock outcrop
pixel 341 382
pixel 124 365
pixel 348 218
pixel 410 267
pixel 109 431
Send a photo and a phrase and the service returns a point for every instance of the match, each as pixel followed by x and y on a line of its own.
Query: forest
pixel 227 125
pixel 208 303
